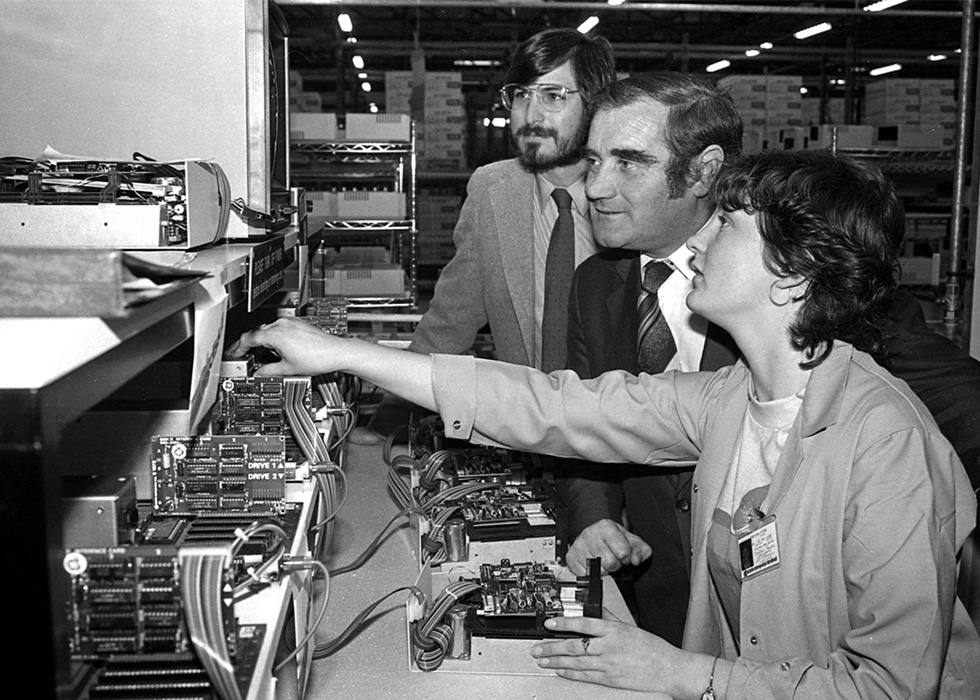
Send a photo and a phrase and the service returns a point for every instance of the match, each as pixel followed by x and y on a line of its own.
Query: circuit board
pixel 257 406
pixel 125 601
pixel 218 473
pixel 516 599
pixel 510 512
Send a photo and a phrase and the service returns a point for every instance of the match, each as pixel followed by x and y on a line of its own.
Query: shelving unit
pixel 321 166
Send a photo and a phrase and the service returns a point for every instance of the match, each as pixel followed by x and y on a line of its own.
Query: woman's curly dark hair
pixel 835 222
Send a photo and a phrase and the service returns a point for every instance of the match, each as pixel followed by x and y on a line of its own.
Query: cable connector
pixel 290 564
pixel 324 468
pixel 337 410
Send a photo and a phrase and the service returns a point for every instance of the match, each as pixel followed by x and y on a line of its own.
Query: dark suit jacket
pixel 943 375
pixel 602 330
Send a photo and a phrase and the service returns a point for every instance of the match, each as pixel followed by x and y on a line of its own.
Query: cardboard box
pixel 357 205
pixel 920 270
pixel 363 281
pixel 320 126
pixel 910 136
pixel 378 127
pixel 848 136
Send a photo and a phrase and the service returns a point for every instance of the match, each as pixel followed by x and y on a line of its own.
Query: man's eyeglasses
pixel 552 98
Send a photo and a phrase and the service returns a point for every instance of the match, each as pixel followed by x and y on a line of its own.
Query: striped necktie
pixel 559 266
pixel 654 344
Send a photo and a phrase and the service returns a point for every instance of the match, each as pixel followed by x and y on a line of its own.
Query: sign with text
pixel 266 270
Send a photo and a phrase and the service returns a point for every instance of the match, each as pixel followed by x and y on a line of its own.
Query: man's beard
pixel 567 151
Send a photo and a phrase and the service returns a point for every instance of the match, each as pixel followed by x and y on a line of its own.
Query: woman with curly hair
pixel 828 509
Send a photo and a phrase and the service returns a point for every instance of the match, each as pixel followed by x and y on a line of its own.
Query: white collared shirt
pixel 688 329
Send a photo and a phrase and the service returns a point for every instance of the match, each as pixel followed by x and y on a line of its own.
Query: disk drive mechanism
pixel 113 204
pixel 516 599
pixel 219 472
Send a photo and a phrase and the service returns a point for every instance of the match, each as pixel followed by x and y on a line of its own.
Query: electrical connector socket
pixel 290 564
pixel 324 468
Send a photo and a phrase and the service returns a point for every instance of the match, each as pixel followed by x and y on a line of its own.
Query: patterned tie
pixel 559 267
pixel 654 343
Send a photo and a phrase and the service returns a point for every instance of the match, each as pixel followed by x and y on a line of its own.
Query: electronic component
pixel 98 511
pixel 516 599
pixel 132 204
pixel 461 639
pixel 258 406
pixel 511 512
pixel 454 540
pixel 218 472
pixel 329 314
pixel 125 601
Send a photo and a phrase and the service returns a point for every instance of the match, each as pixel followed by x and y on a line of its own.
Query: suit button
pixel 785 666
pixel 456 425
pixel 683 505
pixel 695 488
pixel 753 640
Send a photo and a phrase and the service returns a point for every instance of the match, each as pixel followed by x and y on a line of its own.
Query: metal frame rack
pixel 366 163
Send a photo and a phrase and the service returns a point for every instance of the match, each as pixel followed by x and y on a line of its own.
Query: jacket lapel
pixel 512 206
pixel 621 315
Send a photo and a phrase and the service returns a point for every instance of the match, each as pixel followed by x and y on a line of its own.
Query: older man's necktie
pixel 559 266
pixel 654 343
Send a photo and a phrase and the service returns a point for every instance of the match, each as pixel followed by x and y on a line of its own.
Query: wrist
pixel 709 692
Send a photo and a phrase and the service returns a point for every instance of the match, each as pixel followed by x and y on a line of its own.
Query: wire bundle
pixel 295 650
pixel 328 474
pixel 258 575
pixel 431 636
pixel 202 580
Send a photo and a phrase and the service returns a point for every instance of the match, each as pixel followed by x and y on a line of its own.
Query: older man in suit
pixel 512 208
pixel 655 144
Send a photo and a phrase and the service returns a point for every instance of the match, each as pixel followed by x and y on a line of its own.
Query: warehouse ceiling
pixel 646 36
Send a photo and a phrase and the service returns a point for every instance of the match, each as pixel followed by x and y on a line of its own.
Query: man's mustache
pixel 537 131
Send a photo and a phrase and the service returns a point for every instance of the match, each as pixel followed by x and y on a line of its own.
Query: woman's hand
pixel 304 349
pixel 620 655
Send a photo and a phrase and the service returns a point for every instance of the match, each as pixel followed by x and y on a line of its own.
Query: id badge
pixel 758 548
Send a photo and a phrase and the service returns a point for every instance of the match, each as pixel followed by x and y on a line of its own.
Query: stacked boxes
pixel 913 102
pixel 437 216
pixel 892 101
pixel 937 103
pixel 441 133
pixel 766 103
pixel 300 101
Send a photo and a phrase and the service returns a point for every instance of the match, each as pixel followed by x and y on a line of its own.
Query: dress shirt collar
pixel 680 259
pixel 576 189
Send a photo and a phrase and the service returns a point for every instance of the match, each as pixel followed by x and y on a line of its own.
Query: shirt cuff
pixel 454 387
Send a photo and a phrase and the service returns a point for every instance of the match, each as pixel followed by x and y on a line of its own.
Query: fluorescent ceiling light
pixel 366 86
pixel 373 108
pixel 765 45
pixel 478 62
pixel 499 122
pixel 362 76
pixel 882 5
pixel 751 53
pixel 588 25
pixel 614 3
pixel 937 57
pixel 803 91
pixel 814 30
pixel 358 62
pixel 352 40
pixel 343 20
pixel 885 69
pixel 718 65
